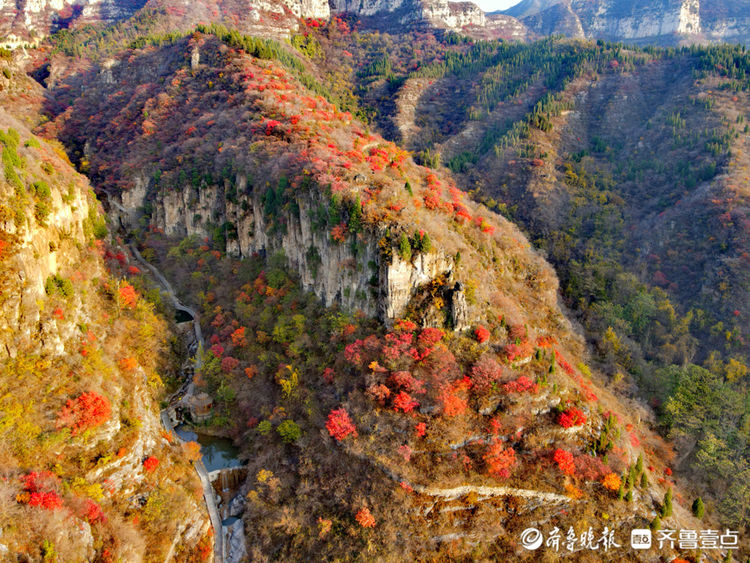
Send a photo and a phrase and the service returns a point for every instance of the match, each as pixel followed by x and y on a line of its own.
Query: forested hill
pixel 450 288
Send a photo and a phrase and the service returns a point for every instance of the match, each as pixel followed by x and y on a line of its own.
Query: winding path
pixel 186 391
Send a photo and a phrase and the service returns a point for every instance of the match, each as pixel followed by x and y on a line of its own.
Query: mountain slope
pixel 80 356
pixel 661 22
pixel 627 168
pixel 516 429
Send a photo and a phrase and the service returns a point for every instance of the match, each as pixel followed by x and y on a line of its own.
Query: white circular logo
pixel 531 538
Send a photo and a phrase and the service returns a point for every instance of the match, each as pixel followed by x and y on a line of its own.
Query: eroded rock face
pixel 24 22
pixel 41 253
pixel 236 548
pixel 362 279
pixel 440 13
pixel 645 21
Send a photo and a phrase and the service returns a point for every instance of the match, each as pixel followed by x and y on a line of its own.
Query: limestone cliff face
pixel 366 278
pixel 27 21
pixel 30 20
pixel 38 253
pixel 559 18
pixel 642 20
pixel 439 13
pixel 646 21
pixel 454 15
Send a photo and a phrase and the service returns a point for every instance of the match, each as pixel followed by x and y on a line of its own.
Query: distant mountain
pixel 659 22
pixel 639 21
pixel 529 8
pixel 24 22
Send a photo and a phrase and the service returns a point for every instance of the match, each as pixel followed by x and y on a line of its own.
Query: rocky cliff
pixel 438 13
pixel 643 21
pixel 278 196
pixel 359 277
pixel 28 21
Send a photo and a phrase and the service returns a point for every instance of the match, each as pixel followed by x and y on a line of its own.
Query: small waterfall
pixel 226 483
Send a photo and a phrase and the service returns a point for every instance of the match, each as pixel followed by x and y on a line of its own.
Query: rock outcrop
pixel 438 13
pixel 364 279
pixel 27 22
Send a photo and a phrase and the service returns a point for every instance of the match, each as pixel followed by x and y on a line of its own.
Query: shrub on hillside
pixel 86 411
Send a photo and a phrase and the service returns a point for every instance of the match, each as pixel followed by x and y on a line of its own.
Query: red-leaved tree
pixel 365 518
pixel 500 460
pixel 484 373
pixel 86 411
pixel 150 464
pixel 481 334
pixel 339 425
pixel 565 461
pixel 571 417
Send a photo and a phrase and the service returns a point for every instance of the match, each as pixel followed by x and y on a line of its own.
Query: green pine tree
pixel 666 510
pixel 699 509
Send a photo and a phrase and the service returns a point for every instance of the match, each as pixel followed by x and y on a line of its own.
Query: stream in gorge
pixel 220 471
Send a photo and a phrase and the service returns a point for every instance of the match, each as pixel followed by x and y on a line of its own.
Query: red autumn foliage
pixel 93 512
pixel 453 404
pixel 429 337
pixel 521 385
pixel 484 373
pixel 420 429
pixel 128 364
pixel 406 486
pixel 328 375
pixel 339 425
pixel 365 518
pixel 86 411
pixel 150 464
pixel 128 296
pixel 571 417
pixel 37 481
pixel 481 334
pixel 398 346
pixel 406 381
pixel 228 363
pixel 238 337
pixel 48 500
pixel 590 468
pixel 58 314
pixel 565 461
pixel 405 451
pixel 338 232
pixel 500 460
pixel 404 402
pixel 38 490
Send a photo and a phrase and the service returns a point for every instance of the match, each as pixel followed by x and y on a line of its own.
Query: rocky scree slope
pixel 88 474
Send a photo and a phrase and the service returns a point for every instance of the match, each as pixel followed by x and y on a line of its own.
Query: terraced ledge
pixel 457 492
